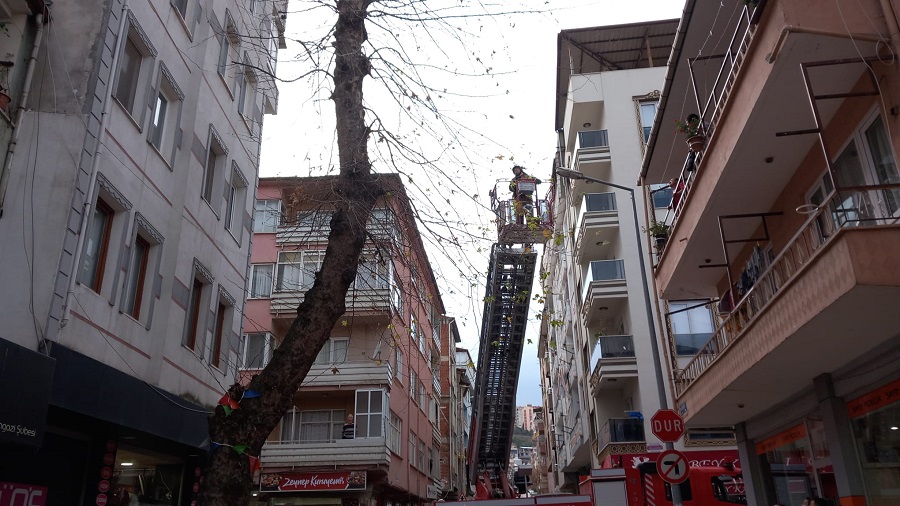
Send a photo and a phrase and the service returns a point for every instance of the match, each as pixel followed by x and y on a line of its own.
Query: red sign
pixel 875 399
pixel 673 466
pixel 308 482
pixel 702 458
pixel 106 472
pixel 667 425
pixel 101 500
pixel 14 494
pixel 795 433
pixel 103 486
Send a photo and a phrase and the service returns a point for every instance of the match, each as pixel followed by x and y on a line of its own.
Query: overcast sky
pixel 506 115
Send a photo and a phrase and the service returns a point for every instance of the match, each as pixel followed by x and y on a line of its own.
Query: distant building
pixel 525 417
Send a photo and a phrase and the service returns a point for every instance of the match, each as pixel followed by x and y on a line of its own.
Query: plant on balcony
pixel 692 128
pixel 660 232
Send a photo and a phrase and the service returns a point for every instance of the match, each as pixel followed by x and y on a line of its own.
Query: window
pixel 235 198
pixel 143 264
pixel 413 332
pixel 370 413
pixel 662 195
pixel 96 246
pixel 398 363
pixel 423 397
pixel 246 84
pixel 413 381
pixel 372 274
pixel 256 350
pixel 265 215
pixel 297 270
pixel 166 113
pixel 137 275
pixel 181 7
pixel 135 63
pixel 222 325
pixel 229 41
pixel 214 166
pixel 692 325
pixel 422 456
pixel 313 426
pixel 394 442
pixel 413 444
pixel 198 301
pixel 648 113
pixel 261 277
pixel 271 45
pixel 334 351
pixel 194 318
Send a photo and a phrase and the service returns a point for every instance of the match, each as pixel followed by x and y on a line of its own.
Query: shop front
pixel 875 418
pixel 331 488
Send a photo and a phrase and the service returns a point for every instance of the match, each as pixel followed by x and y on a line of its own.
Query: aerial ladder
pixel 521 223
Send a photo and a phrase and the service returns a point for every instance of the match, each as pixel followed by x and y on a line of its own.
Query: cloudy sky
pixel 495 79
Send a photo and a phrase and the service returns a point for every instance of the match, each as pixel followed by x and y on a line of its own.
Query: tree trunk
pixel 228 481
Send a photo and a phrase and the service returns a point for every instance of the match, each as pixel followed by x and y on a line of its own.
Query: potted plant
pixel 660 231
pixel 692 129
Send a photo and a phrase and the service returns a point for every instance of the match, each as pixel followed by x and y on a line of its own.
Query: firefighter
pixel 524 198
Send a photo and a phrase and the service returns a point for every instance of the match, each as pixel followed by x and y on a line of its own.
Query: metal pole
pixel 657 366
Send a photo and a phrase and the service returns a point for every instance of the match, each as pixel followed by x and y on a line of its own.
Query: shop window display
pixel 143 477
pixel 876 428
pixel 798 463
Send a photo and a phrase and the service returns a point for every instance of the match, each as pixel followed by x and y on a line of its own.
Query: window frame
pixel 229 49
pixel 107 194
pixel 213 168
pixel 646 129
pixel 235 202
pixel 145 287
pixel 224 319
pixel 131 94
pixel 268 348
pixel 273 213
pixel 98 270
pixel 395 442
pixel 194 337
pixel 165 135
pixel 363 414
pixel 681 305
pixel 252 292
pixel 305 259
pixel 329 345
pixel 398 364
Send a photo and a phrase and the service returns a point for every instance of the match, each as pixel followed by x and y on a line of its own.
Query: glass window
pixel 398 363
pixel 422 455
pixel 96 246
pixel 372 274
pixel 394 442
pixel 593 139
pixel 166 111
pixel 181 7
pixel 371 407
pixel 235 200
pixel 194 330
pixel 256 349
pixel 130 64
pixel 648 113
pixel 413 444
pixel 213 169
pixel 266 215
pixel 876 427
pixel 662 195
pixel 312 426
pixel 788 458
pixel 261 278
pixel 137 274
pixel 297 270
pixel 692 325
pixel 334 351
pixel 223 319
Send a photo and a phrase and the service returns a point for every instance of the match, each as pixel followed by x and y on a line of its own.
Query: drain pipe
pixel 20 111
pixel 89 199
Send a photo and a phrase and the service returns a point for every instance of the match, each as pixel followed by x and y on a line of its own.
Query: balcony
pixel 592 154
pixel 597 224
pixel 365 302
pixel 340 452
pixel 344 375
pixel 604 284
pixel 612 360
pixel 620 436
pixel 832 280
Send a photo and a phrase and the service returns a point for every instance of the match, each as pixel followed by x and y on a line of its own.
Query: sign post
pixel 673 466
pixel 667 425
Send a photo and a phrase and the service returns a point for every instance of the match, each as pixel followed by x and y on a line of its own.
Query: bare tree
pixel 354 192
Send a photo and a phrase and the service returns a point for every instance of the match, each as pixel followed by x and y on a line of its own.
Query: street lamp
pixel 657 365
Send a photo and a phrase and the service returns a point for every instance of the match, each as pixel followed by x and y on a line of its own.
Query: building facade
pixel 130 146
pixel 525 417
pixel 457 376
pixel 599 370
pixel 786 213
pixel 382 363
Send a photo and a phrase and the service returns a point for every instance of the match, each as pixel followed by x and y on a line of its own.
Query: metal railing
pixel 857 206
pixel 606 270
pixel 621 430
pixel 613 347
pixel 593 139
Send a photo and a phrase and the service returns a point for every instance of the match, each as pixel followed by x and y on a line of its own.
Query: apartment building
pixel 525 417
pixel 130 137
pixel 457 378
pixel 541 475
pixel 787 220
pixel 596 342
pixel 382 363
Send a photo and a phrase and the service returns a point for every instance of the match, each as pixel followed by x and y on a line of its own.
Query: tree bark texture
pixel 228 480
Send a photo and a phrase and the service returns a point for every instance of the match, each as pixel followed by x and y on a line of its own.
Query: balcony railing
pixel 621 430
pixel 358 300
pixel 361 451
pixel 599 202
pixel 613 347
pixel 593 139
pixel 850 208
pixel 603 272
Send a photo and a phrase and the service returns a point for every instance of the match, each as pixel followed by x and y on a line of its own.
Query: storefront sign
pixel 27 377
pixel 308 482
pixel 699 458
pixel 16 494
pixel 795 433
pixel 874 400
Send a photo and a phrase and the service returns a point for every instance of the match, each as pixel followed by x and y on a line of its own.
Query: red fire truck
pixel 705 486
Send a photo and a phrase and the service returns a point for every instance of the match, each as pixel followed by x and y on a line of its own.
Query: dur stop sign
pixel 667 425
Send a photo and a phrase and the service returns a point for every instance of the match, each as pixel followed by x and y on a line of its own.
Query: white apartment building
pixel 595 347
pixel 130 150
